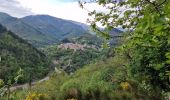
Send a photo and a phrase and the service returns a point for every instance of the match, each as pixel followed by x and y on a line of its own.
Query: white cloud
pixel 69 10
pixel 56 8
pixel 14 8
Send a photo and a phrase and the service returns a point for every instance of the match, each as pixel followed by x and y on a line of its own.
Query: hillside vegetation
pixel 41 30
pixel 70 60
pixel 136 68
pixel 104 80
pixel 141 68
pixel 15 54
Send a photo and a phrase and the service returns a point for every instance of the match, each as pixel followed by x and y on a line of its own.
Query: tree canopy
pixel 147 39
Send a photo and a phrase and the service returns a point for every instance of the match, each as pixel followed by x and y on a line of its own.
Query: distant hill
pixel 23 30
pixel 41 30
pixel 115 35
pixel 16 53
pixel 55 28
pixel 84 26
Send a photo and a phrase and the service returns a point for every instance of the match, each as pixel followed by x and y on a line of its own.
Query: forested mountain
pixel 15 54
pixel 41 30
pixel 23 30
pixel 54 27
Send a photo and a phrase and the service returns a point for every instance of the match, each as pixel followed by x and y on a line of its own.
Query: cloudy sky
pixel 66 9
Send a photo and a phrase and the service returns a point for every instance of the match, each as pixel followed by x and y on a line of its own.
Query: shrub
pixel 36 96
pixel 1 83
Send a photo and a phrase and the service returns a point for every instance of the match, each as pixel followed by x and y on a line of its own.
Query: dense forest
pixel 16 54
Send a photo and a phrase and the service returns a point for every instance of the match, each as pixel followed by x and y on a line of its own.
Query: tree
pixel 147 40
pixel 1 83
pixel 5 87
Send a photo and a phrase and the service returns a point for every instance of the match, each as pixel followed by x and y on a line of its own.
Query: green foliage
pixel 1 83
pixel 16 95
pixel 16 54
pixel 95 81
pixel 146 43
pixel 141 69
pixel 88 39
pixel 71 60
pixel 19 75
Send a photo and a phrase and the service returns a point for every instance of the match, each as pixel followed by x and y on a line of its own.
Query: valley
pixel 35 64
pixel 47 52
pixel 40 33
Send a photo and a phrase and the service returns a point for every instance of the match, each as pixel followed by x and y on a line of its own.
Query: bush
pixel 36 96
pixel 1 83
pixel 108 80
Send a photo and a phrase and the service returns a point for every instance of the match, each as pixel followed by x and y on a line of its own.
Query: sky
pixel 65 9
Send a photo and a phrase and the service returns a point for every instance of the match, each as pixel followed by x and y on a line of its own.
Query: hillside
pixel 73 53
pixel 71 57
pixel 104 80
pixel 54 27
pixel 50 58
pixel 16 53
pixel 41 30
pixel 23 30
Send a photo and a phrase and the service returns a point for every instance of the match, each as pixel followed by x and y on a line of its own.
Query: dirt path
pixel 26 86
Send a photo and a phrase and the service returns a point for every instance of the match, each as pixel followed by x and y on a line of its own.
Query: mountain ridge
pixel 42 30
